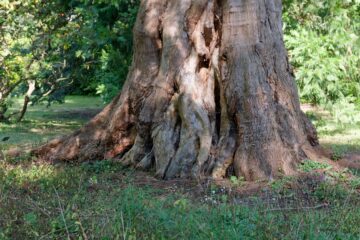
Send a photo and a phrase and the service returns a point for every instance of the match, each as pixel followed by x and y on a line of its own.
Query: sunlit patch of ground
pixel 342 139
pixel 42 123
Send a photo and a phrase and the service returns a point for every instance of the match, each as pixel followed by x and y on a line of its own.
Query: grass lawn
pixel 43 123
pixel 104 200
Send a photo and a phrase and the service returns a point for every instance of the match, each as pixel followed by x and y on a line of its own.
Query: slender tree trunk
pixel 31 89
pixel 3 108
pixel 210 93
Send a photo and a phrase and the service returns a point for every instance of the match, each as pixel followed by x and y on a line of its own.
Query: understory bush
pixel 324 48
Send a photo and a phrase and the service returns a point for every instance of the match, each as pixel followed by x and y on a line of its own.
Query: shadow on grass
pixel 333 131
pixel 49 125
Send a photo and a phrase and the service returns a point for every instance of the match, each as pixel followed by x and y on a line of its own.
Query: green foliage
pixel 98 44
pixel 237 180
pixel 28 52
pixel 355 183
pixel 85 47
pixel 330 191
pixel 309 165
pixel 66 47
pixel 279 185
pixel 324 46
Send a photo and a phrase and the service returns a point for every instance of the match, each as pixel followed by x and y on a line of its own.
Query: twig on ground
pixel 82 230
pixel 62 214
pixel 297 208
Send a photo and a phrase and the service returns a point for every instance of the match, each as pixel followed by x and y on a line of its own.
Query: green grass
pixel 308 166
pixel 104 200
pixel 341 138
pixel 42 123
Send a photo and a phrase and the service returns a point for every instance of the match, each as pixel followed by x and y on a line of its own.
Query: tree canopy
pixel 81 47
pixel 85 47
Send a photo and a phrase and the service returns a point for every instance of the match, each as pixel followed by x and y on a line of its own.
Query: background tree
pixel 54 48
pixel 27 29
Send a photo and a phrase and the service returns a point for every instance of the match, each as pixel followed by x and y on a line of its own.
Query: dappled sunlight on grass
pixel 344 143
pixel 349 134
pixel 43 123
pixel 34 133
pixel 335 135
pixel 18 175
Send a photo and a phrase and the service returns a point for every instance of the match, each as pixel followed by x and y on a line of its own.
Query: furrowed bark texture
pixel 210 93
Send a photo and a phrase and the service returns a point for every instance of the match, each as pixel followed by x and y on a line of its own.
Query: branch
pixel 62 214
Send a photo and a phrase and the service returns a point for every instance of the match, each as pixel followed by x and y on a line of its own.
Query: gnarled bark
pixel 210 93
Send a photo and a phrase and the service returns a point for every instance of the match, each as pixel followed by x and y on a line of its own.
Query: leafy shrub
pixel 99 46
pixel 309 165
pixel 324 44
pixel 355 183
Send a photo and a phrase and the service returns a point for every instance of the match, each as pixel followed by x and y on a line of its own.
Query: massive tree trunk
pixel 210 93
